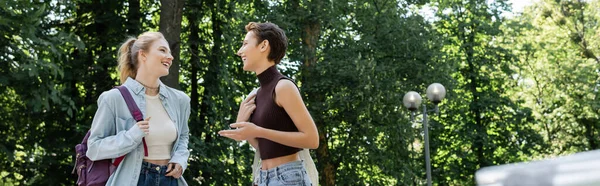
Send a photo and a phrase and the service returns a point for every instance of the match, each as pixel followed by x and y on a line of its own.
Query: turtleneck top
pixel 271 116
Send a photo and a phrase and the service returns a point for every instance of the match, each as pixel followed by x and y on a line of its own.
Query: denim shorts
pixel 292 173
pixel 154 175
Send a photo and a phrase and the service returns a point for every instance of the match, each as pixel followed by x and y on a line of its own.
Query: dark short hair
pixel 272 33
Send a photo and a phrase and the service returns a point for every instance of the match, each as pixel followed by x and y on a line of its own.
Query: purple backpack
pixel 92 173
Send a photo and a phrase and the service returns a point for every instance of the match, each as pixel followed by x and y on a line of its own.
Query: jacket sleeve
pixel 182 153
pixel 104 142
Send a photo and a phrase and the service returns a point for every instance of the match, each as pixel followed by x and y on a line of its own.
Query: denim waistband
pixel 154 167
pixel 274 172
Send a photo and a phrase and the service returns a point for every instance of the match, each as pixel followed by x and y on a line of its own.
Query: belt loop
pixel 260 177
pixel 264 176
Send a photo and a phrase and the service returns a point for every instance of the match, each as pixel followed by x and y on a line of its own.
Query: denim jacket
pixel 114 131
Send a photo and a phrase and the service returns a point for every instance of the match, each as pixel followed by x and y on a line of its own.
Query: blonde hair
pixel 128 53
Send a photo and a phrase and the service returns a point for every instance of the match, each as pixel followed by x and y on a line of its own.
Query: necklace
pixel 148 87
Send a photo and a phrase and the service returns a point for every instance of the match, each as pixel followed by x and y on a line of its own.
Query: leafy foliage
pixel 558 71
pixel 519 88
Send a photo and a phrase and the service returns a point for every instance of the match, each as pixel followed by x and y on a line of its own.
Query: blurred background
pixel 522 80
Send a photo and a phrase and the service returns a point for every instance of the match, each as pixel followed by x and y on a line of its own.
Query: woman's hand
pixel 174 170
pixel 144 125
pixel 247 107
pixel 241 131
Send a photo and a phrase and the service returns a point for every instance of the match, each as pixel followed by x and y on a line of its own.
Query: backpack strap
pixel 135 111
pixel 137 115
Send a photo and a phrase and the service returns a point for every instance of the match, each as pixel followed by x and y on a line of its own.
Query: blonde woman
pixel 142 61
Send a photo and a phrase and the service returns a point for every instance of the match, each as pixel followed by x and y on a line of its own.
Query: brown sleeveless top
pixel 271 116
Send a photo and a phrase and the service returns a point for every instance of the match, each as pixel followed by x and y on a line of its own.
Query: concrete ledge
pixel 576 169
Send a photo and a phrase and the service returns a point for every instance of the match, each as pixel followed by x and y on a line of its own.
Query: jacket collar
pixel 137 88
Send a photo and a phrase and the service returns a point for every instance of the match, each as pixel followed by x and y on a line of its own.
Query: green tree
pixel 216 82
pixel 482 126
pixel 518 90
pixel 171 12
pixel 557 71
pixel 36 107
pixel 355 60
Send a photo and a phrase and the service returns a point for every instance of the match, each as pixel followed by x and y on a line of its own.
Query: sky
pixel 518 5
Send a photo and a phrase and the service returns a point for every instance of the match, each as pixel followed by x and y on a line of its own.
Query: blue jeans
pixel 292 173
pixel 154 175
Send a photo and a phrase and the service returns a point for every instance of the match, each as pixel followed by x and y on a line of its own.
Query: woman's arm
pixel 182 153
pixel 247 107
pixel 103 143
pixel 253 142
pixel 288 97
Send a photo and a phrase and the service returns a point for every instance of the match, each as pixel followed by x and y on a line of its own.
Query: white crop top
pixel 162 133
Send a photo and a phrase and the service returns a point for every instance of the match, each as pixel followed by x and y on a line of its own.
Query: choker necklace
pixel 149 87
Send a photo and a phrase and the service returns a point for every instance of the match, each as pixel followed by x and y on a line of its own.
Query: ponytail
pixel 127 61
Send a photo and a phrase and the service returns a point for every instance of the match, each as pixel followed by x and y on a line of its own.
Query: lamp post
pixel 435 92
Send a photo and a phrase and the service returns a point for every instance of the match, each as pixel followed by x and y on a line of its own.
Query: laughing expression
pixel 159 58
pixel 250 52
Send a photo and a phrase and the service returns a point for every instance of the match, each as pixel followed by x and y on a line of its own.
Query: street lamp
pixel 435 92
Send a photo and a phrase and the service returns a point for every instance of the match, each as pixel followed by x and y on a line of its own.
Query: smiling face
pixel 252 52
pixel 157 58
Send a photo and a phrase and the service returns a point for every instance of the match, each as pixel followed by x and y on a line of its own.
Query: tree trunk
pixel 589 125
pixel 472 74
pixel 211 84
pixel 194 62
pixel 211 81
pixel 100 72
pixel 170 26
pixel 134 15
pixel 311 31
